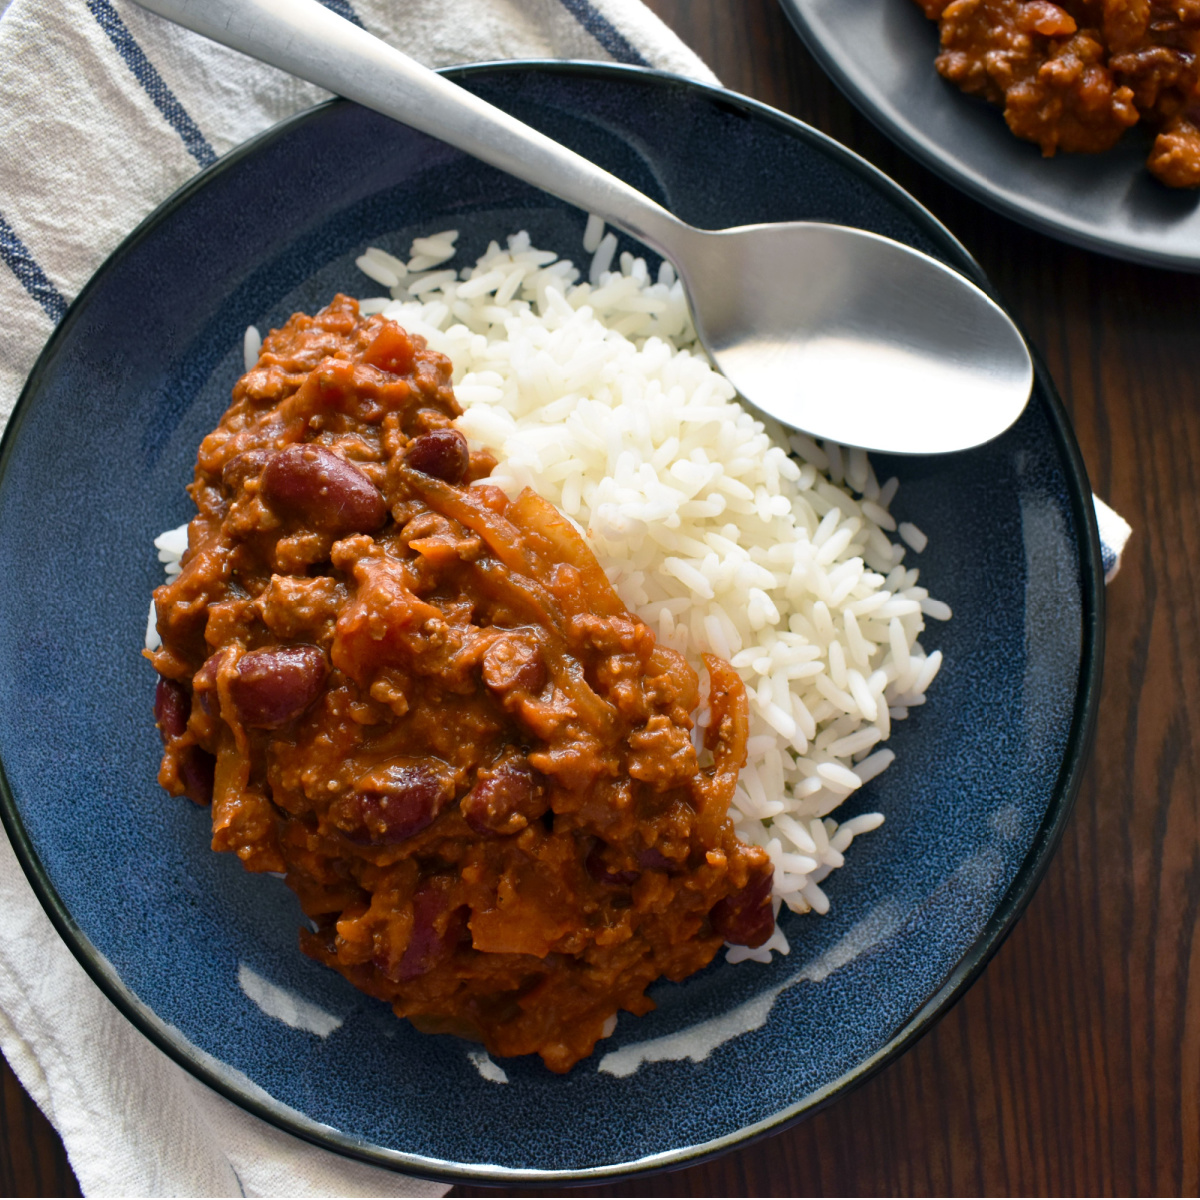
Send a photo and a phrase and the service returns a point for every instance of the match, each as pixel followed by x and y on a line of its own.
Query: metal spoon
pixel 831 330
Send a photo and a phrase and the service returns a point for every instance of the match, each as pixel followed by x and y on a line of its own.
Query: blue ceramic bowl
pixel 93 467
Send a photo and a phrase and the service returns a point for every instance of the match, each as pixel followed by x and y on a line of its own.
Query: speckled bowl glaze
pixel 94 465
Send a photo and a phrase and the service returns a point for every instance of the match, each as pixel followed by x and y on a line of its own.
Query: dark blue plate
pixel 881 52
pixel 93 467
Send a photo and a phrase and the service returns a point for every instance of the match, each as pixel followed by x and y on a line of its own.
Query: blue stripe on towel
pixel 143 71
pixel 605 32
pixel 33 278
pixel 343 9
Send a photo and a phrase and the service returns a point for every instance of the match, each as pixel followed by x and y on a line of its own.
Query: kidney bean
pixel 654 860
pixel 272 687
pixel 504 798
pixel 244 466
pixel 426 946
pixel 746 918
pixel 514 662
pixel 328 492
pixel 196 771
pixel 444 454
pixel 171 708
pixel 597 869
pixel 396 801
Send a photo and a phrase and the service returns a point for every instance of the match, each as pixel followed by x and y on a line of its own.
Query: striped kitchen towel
pixel 105 110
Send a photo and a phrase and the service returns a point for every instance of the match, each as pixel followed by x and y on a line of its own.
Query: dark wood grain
pixel 32 1159
pixel 1073 1065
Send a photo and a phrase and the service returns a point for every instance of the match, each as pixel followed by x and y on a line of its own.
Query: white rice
pixel 251 347
pixel 912 535
pixel 595 394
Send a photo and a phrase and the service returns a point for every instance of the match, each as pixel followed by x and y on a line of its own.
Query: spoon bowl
pixel 838 333
pixel 850 335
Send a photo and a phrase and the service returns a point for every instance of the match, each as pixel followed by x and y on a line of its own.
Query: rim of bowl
pixel 214 1074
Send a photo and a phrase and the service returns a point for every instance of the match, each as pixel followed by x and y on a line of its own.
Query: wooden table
pixel 1073 1065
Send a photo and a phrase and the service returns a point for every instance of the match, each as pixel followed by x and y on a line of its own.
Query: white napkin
pixel 104 111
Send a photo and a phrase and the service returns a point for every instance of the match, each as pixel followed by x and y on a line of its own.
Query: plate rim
pixel 947 166
pixel 224 1079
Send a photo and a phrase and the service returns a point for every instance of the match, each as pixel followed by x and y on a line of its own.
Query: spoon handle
pixel 305 39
